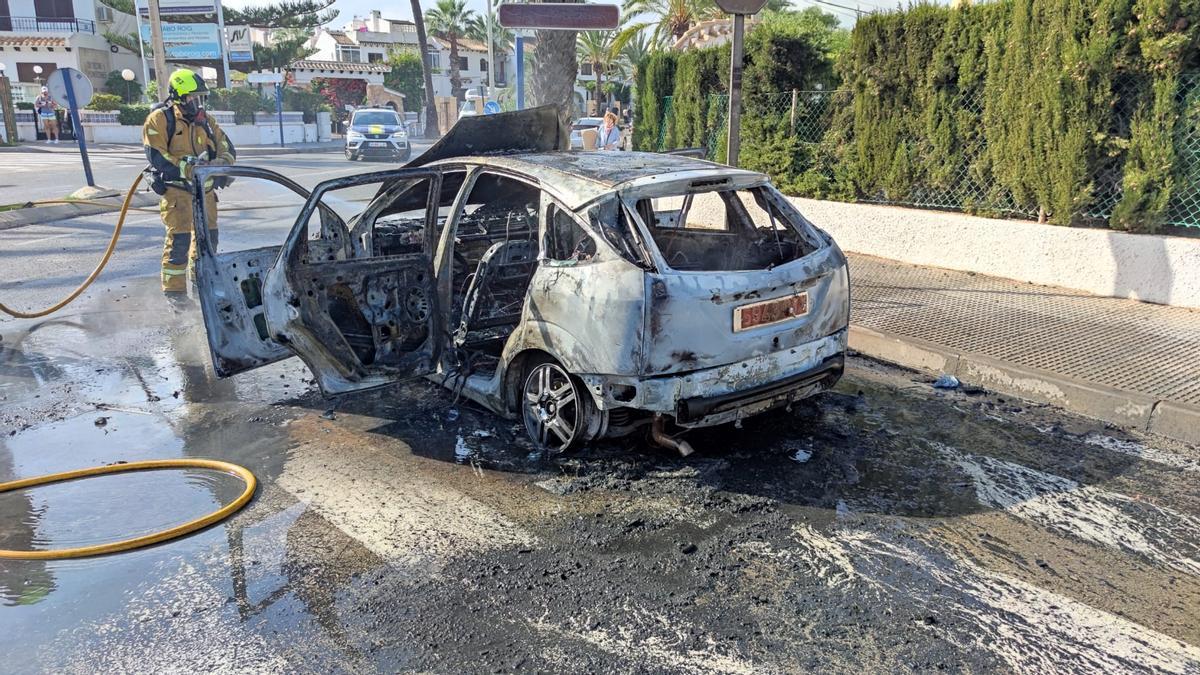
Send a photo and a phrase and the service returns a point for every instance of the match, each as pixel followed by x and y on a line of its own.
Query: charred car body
pixel 589 294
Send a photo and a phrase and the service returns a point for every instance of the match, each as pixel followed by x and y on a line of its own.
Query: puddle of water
pixel 96 510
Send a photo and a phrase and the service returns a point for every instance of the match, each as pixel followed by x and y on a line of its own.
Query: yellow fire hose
pixel 112 246
pixel 145 540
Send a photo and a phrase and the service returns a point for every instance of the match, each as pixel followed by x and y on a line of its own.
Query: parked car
pixel 377 133
pixel 589 295
pixel 578 127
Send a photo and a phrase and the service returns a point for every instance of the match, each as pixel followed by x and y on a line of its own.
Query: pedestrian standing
pixel 610 133
pixel 47 113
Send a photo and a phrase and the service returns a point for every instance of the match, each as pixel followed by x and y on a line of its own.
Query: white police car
pixel 377 133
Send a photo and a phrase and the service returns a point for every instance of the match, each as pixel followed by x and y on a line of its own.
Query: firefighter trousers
pixel 179 246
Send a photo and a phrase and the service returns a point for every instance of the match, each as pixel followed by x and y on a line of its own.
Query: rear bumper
pixel 734 391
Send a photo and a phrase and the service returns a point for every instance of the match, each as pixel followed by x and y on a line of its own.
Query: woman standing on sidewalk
pixel 47 112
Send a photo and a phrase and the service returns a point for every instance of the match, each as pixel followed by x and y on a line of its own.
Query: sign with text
pixel 559 16
pixel 188 41
pixel 240 43
pixel 176 7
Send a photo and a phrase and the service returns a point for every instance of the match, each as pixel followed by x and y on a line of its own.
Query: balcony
pixel 30 24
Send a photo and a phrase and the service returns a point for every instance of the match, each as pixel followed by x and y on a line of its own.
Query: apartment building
pixel 45 35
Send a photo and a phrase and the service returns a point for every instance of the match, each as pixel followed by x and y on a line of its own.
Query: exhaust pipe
pixel 660 437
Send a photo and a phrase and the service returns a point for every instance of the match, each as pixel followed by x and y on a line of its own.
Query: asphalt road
pixel 883 527
pixel 33 176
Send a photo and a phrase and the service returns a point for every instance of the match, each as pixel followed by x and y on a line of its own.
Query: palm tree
pixel 431 118
pixel 552 74
pixel 502 38
pixel 637 47
pixel 602 49
pixel 449 21
pixel 674 17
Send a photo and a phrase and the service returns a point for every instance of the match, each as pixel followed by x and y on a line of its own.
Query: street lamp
pixel 739 9
pixel 127 75
pixel 37 74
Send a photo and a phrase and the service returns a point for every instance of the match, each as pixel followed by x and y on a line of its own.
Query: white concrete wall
pixel 1151 268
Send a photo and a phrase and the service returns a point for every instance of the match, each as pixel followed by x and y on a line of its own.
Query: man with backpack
pixel 178 137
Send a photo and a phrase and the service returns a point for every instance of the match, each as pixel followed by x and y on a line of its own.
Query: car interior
pixel 721 231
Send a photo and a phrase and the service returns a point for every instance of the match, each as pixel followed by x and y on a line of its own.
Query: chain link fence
pixel 962 183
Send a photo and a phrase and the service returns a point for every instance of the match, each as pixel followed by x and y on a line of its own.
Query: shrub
pixel 133 115
pixel 25 105
pixel 243 101
pixel 129 92
pixel 305 101
pixel 105 102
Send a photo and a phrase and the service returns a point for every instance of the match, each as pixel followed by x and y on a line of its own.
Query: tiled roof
pixel 31 41
pixel 464 44
pixel 341 38
pixel 344 66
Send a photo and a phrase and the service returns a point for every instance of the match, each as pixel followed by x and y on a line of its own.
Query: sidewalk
pixel 70 147
pixel 1130 363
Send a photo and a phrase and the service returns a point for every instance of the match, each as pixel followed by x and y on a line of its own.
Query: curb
pixel 252 151
pixel 44 214
pixel 1120 407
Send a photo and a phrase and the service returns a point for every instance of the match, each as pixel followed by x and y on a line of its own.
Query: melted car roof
pixel 579 177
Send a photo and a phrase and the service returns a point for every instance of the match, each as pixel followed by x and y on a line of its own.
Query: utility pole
pixel 224 45
pixel 160 52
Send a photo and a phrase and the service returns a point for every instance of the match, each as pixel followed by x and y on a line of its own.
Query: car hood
pixel 377 128
pixel 530 130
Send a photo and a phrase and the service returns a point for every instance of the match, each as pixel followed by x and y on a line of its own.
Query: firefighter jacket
pixel 169 140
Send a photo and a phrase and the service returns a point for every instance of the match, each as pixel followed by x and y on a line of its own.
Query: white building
pixel 369 40
pixel 55 34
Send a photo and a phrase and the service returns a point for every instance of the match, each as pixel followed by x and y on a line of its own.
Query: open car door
pixel 230 284
pixel 359 305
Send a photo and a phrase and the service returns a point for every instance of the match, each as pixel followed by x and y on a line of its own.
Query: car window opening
pixel 495 254
pixel 722 231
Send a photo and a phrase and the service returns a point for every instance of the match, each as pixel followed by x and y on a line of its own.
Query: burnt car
pixel 589 294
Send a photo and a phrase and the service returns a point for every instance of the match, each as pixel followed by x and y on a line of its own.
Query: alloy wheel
pixel 551 407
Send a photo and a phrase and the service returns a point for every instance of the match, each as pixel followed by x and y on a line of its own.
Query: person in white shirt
pixel 47 114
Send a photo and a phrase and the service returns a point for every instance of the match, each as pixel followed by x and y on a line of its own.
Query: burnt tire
pixel 557 410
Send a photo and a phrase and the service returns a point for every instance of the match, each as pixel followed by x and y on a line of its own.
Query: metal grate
pixel 1130 345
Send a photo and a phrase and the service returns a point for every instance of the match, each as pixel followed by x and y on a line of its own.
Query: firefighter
pixel 178 137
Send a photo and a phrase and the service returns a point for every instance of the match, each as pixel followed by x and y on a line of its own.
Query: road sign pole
pixel 279 109
pixel 79 135
pixel 137 15
pixel 520 49
pixel 224 44
pixel 735 92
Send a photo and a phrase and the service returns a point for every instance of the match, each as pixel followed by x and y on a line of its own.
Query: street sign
pixel 741 6
pixel 188 41
pixel 72 90
pixel 241 46
pixel 559 16
pixel 177 7
pixel 264 78
pixel 57 85
pixel 491 108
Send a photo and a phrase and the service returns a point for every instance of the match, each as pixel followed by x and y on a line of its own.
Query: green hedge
pixel 105 102
pixel 1069 109
pixel 133 114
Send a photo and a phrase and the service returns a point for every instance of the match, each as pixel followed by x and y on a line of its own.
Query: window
pixel 483 65
pixel 374 57
pixel 463 63
pixel 350 54
pixel 723 230
pixel 54 9
pixel 566 241
pixel 25 72
pixel 435 60
pixel 5 16
pixel 585 69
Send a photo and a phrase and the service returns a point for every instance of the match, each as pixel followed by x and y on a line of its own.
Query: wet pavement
pixel 883 526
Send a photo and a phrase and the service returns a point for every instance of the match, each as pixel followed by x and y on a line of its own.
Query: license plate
pixel 377 145
pixel 768 312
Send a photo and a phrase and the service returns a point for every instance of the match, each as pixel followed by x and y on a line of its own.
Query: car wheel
pixel 349 156
pixel 556 409
pixel 407 155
